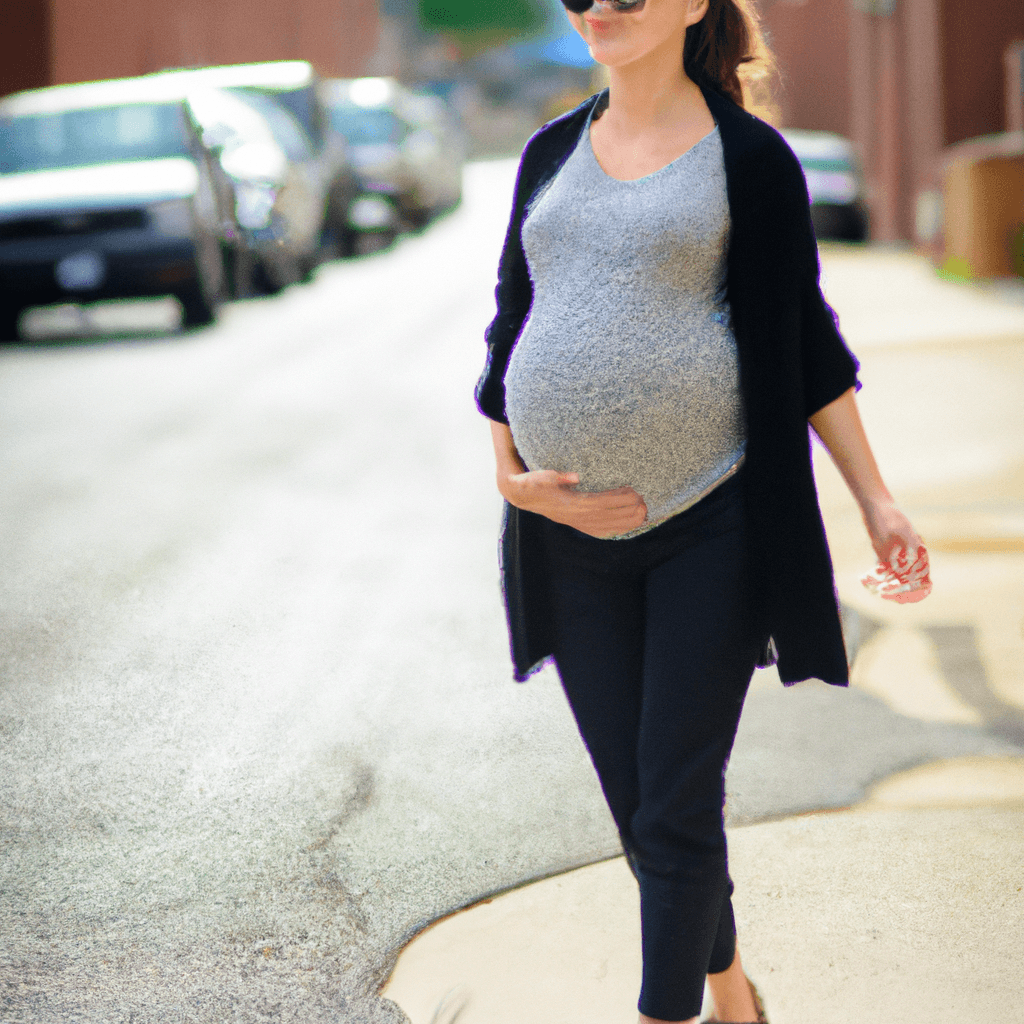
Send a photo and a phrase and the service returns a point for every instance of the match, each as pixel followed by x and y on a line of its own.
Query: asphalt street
pixel 257 722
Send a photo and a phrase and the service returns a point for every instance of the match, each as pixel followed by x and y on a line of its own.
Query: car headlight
pixel 371 213
pixel 254 204
pixel 172 218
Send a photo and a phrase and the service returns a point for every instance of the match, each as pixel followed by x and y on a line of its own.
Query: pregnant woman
pixel 660 345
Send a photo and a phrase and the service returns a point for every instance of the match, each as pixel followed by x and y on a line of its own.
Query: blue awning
pixel 567 49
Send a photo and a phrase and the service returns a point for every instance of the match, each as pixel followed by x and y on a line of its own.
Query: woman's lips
pixel 597 24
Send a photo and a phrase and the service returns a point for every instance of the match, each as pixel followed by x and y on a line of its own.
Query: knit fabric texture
pixel 626 370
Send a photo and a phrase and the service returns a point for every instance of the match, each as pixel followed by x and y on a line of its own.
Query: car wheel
pixel 202 299
pixel 307 267
pixel 370 242
pixel 270 278
pixel 242 270
pixel 348 243
pixel 9 316
pixel 419 220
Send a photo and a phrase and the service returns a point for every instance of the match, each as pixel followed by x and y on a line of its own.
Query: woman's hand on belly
pixel 552 494
pixel 599 513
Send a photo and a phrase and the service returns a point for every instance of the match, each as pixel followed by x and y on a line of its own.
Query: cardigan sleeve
pixel 513 297
pixel 829 367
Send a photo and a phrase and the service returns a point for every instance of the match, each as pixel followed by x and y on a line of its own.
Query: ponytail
pixel 726 50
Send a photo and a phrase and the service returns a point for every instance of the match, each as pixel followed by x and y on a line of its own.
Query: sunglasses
pixel 621 6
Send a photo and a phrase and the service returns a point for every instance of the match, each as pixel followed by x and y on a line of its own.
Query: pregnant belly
pixel 667 454
pixel 620 411
pixel 609 438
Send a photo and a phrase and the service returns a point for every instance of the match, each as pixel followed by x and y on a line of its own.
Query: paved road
pixel 256 718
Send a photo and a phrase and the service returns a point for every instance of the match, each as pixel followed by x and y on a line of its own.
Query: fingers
pixel 601 513
pixel 598 513
pixel 904 578
pixel 902 540
pixel 609 513
pixel 902 573
pixel 892 536
pixel 623 497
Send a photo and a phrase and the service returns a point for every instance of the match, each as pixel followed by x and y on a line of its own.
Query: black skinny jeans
pixel 655 649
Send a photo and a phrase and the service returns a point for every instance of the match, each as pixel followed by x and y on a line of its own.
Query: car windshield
pixel 362 126
pixel 290 135
pixel 95 135
pixel 299 103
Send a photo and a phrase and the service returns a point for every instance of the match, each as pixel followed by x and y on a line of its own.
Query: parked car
pixel 835 184
pixel 293 85
pixel 279 192
pixel 107 191
pixel 406 148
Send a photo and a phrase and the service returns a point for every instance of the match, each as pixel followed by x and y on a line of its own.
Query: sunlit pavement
pixel 908 907
pixel 256 713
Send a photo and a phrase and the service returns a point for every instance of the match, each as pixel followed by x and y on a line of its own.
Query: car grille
pixel 84 223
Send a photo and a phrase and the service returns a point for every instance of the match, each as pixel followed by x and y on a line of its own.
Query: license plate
pixel 81 272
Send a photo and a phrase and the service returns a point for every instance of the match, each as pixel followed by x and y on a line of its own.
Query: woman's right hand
pixel 554 495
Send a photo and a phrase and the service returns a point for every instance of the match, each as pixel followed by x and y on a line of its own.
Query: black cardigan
pixel 792 362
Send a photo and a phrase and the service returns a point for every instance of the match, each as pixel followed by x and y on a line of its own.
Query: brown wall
pixel 57 41
pixel 975 38
pixel 113 38
pixel 24 45
pixel 1014 92
pixel 896 112
pixel 902 86
pixel 810 39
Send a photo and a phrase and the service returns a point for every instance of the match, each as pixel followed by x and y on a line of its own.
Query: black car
pixel 106 191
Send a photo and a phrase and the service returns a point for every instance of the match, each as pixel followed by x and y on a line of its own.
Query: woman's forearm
pixel 893 537
pixel 840 428
pixel 506 457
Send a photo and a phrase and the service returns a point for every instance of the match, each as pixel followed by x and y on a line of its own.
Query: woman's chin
pixel 607 53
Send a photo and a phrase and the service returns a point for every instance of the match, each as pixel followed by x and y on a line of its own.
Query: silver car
pixel 293 87
pixel 405 147
pixel 280 195
pixel 106 191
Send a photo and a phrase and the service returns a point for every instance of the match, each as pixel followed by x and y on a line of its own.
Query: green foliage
pixel 957 269
pixel 506 17
pixel 1017 250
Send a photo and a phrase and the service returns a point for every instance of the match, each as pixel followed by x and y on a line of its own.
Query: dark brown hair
pixel 726 50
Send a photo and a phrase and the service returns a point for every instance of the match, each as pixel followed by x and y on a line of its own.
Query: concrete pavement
pixel 901 916
pixel 257 724
pixel 907 905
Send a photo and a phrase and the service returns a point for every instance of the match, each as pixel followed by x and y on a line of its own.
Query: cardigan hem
pixel 537 666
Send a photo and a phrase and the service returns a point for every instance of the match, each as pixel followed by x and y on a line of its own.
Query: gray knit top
pixel 626 370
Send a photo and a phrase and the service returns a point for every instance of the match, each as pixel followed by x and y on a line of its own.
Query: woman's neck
pixel 652 93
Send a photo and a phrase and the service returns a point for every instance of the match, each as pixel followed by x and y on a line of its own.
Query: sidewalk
pixel 909 907
pixel 884 914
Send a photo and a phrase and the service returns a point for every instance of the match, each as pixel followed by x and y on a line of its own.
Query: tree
pixel 475 25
